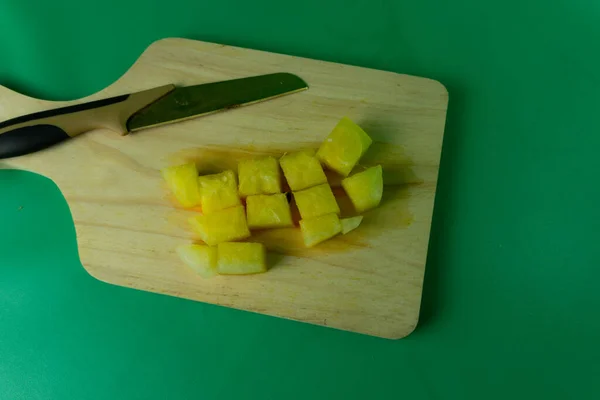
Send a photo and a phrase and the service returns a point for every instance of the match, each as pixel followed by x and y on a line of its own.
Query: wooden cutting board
pixel 369 281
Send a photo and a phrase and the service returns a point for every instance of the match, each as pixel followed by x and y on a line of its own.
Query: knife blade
pixel 142 110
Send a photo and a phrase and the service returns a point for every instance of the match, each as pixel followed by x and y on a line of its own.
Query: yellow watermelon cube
pixel 268 211
pixel 344 146
pixel 365 188
pixel 241 258
pixel 259 176
pixel 182 181
pixel 319 229
pixel 350 224
pixel 221 226
pixel 316 201
pixel 302 170
pixel 202 259
pixel 218 191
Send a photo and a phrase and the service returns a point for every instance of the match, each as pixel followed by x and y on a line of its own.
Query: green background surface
pixel 511 302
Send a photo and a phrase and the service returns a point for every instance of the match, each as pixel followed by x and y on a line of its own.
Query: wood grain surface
pixel 369 281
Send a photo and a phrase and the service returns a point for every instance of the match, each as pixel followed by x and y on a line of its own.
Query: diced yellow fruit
pixel 316 201
pixel 182 180
pixel 350 224
pixel 268 211
pixel 202 259
pixel 218 191
pixel 241 258
pixel 302 170
pixel 221 226
pixel 319 229
pixel 365 188
pixel 344 146
pixel 259 176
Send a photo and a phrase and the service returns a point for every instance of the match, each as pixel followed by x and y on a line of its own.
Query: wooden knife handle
pixel 33 132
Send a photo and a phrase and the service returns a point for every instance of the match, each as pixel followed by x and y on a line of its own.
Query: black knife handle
pixel 28 139
pixel 33 132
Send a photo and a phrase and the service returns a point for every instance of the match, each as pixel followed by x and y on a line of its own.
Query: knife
pixel 133 112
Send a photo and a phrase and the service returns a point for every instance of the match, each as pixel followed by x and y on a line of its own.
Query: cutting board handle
pixel 33 132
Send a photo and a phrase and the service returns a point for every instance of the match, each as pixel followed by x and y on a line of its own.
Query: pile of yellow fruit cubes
pixel 234 206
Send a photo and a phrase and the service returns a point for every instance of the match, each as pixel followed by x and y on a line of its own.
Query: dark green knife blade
pixel 184 103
